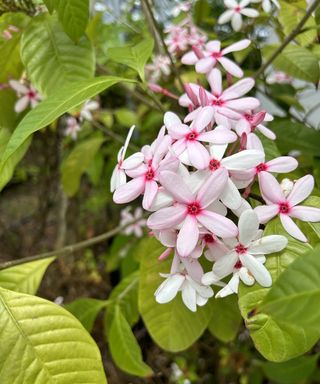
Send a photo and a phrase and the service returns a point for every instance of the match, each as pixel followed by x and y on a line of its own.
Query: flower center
pixel 149 175
pixel 237 9
pixel 31 94
pixel 284 207
pixel 217 102
pixel 194 208
pixel 192 136
pixel 261 167
pixel 238 265
pixel 241 249
pixel 214 164
pixel 216 55
pixel 208 238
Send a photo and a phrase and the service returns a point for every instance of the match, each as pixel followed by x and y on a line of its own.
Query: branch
pixel 67 250
pixel 288 39
pixel 164 45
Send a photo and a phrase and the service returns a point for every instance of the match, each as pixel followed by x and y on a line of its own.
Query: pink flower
pixel 27 95
pixel 177 40
pixel 213 54
pixel 246 252
pixel 278 77
pixel 249 122
pixel 72 128
pixel 135 228
pixel 235 12
pixel 189 139
pixel 145 176
pixel 89 107
pixel 160 66
pixel 119 177
pixel 286 206
pixel 191 210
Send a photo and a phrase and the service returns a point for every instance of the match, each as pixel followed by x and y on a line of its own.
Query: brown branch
pixel 288 39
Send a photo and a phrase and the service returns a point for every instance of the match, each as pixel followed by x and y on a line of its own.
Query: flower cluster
pixel 195 177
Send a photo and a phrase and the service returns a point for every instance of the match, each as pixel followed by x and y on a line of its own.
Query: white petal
pixel 248 226
pixel 169 288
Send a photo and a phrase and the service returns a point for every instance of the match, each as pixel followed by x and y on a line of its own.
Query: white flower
pixel 135 228
pixel 87 109
pixel 72 128
pixel 27 95
pixel 235 12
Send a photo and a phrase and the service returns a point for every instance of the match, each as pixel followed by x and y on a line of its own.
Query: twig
pixel 288 39
pixel 164 45
pixel 67 250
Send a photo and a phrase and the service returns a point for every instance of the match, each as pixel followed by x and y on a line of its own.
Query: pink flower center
pixel 261 167
pixel 194 208
pixel 248 117
pixel 214 164
pixel 208 238
pixel 238 264
pixel 237 9
pixel 31 94
pixel 149 175
pixel 217 102
pixel 284 207
pixel 216 55
pixel 192 136
pixel 241 249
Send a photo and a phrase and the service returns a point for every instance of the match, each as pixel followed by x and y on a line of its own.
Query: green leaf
pixel 292 136
pixel 78 162
pixel 134 57
pixel 296 61
pixel 49 4
pixel 47 111
pixel 51 58
pixel 124 348
pixel 296 293
pixel 126 117
pixel 74 16
pixel 25 278
pixel 290 15
pixel 50 345
pixel 173 326
pixel 276 340
pixel 86 310
pixel 226 318
pixel 292 371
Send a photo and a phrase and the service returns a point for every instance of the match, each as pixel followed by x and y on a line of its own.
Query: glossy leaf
pixel 25 278
pixel 86 310
pixel 134 57
pixel 51 58
pixel 78 162
pixel 50 345
pixel 226 318
pixel 47 111
pixel 124 347
pixel 172 326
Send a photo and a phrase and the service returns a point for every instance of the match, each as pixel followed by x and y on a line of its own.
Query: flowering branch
pixel 288 39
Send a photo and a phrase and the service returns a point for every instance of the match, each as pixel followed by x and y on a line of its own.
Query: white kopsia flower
pixel 127 217
pixel 89 107
pixel 193 293
pixel 72 128
pixel 28 95
pixel 235 12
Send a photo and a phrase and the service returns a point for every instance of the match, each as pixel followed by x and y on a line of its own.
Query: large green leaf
pixel 25 278
pixel 78 162
pixel 173 326
pixel 134 57
pixel 63 100
pixel 276 340
pixel 51 58
pixel 86 310
pixel 43 343
pixel 292 135
pixel 296 61
pixel 296 293
pixel 312 230
pixel 73 15
pixel 226 318
pixel 124 348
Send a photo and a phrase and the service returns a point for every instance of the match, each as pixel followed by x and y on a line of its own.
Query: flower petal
pixel 257 269
pixel 169 288
pixel 248 226
pixel 133 161
pixel 225 265
pixel 239 46
pixel 250 12
pixel 243 160
pixel 176 186
pixel 198 154
pixel 266 212
pixel 231 67
pixel 129 191
pixel 236 22
pixel 268 244
pixel 166 218
pixel 305 213
pixel 205 65
pixel 282 164
pixel 291 227
pixel 189 58
pixel 230 196
pixel 203 119
pixel 270 188
pixel 188 236
pixel 243 104
pixel 225 16
pixel 301 189
pixel 219 225
pixel 213 187
pixel 218 136
pixel 189 296
pixel 150 192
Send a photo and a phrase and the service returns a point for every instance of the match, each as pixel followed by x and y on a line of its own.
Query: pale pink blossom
pixel 28 95
pixel 213 54
pixel 235 12
pixel 127 217
pixel 250 122
pixel 247 251
pixel 278 77
pixel 89 107
pixel 286 207
pixel 159 67
pixel 72 128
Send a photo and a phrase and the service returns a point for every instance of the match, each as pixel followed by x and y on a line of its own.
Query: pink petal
pixel 253 142
pixel 213 46
pixel 205 65
pixel 151 189
pixel 305 213
pixel 291 227
pixel 129 191
pixel 239 46
pixel 170 120
pixel 248 226
pixel 166 218
pixel 243 103
pixel 213 187
pixel 282 164
pixel 219 225
pixel 266 212
pixel 215 81
pixel 243 126
pixel 231 67
pixel 198 154
pixel 17 86
pixel 239 89
pixel 243 160
pixel 176 186
pixel 218 136
pixel 133 161
pixel 301 189
pixel 203 119
pixel 178 131
pixel 189 58
pixel 138 171
pixel 188 236
pixel 270 188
